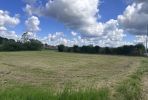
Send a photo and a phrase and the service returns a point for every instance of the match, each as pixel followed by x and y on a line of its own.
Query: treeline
pixel 12 45
pixel 137 50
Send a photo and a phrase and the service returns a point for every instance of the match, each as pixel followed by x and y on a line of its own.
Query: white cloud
pixel 55 36
pixel 7 21
pixel 135 17
pixel 112 38
pixel 80 15
pixel 83 15
pixel 32 27
pixel 140 39
pixel 73 33
pixel 32 24
pixel 8 34
pixel 2 28
pixel 28 9
pixel 55 39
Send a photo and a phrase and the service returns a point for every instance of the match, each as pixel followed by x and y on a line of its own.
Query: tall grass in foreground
pixel 39 94
pixel 131 89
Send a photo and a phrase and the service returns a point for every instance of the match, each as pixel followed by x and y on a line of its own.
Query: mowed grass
pixel 44 75
pixel 53 69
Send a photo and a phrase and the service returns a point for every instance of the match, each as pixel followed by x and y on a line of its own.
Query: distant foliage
pixel 137 50
pixel 12 45
pixel 61 48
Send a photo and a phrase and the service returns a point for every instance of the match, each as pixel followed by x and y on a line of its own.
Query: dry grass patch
pixel 54 69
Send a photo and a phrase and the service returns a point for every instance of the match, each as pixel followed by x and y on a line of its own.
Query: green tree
pixel 61 48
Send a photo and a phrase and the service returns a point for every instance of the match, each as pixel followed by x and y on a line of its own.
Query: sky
pixel 76 22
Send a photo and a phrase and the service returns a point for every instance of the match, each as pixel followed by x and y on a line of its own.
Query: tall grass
pixel 131 89
pixel 40 94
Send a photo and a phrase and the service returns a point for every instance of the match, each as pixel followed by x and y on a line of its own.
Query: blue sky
pixel 108 9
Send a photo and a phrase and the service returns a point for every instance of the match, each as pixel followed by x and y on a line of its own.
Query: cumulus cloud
pixel 55 39
pixel 8 34
pixel 111 38
pixel 32 24
pixel 73 33
pixel 28 9
pixel 80 15
pixel 32 27
pixel 7 21
pixel 135 17
pixel 55 36
pixel 83 16
pixel 140 39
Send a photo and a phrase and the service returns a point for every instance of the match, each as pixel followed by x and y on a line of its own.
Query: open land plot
pixel 51 75
pixel 51 69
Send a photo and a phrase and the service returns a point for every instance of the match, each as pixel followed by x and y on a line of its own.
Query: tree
pixel 25 37
pixel 33 45
pixel 12 45
pixel 76 48
pixel 140 49
pixel 61 48
pixel 97 49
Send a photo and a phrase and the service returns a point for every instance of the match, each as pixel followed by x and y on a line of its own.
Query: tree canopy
pixel 137 49
pixel 12 45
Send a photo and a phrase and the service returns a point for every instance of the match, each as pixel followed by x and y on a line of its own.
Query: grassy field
pixel 35 75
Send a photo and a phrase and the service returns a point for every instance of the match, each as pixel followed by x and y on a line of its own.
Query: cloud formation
pixel 135 17
pixel 80 15
pixel 32 24
pixel 32 27
pixel 74 33
pixel 7 21
pixel 55 39
pixel 83 16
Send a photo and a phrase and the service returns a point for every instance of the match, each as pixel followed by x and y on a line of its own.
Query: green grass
pixel 26 93
pixel 131 88
pixel 43 75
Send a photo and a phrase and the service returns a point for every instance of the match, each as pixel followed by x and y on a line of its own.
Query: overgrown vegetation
pixel 26 93
pixel 12 45
pixel 131 88
pixel 137 50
